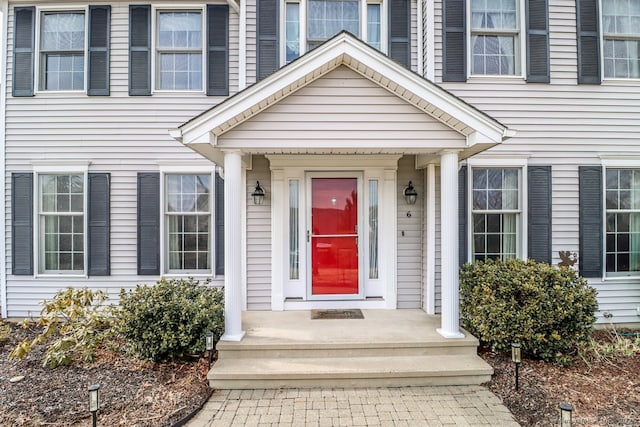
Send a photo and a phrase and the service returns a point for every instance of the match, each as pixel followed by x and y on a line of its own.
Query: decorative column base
pixel 449 334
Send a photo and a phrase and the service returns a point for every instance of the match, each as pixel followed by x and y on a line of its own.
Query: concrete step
pixel 246 349
pixel 378 371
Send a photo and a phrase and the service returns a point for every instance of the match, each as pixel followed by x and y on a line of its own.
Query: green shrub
pixel 170 319
pixel 73 325
pixel 549 311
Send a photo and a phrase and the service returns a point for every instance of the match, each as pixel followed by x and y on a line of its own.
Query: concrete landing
pixel 388 348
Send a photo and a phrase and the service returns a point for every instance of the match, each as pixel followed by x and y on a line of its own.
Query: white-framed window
pixel 61 223
pixel 495 37
pixel 496 213
pixel 179 44
pixel 308 23
pixel 188 207
pixel 621 38
pixel 62 47
pixel 622 219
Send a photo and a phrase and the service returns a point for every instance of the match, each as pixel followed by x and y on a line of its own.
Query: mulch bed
pixel 138 393
pixel 602 393
pixel 132 392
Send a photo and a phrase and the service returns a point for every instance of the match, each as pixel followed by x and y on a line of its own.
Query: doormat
pixel 355 313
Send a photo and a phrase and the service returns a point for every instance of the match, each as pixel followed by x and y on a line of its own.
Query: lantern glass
pixel 209 341
pixel 94 397
pixel 565 414
pixel 515 353
pixel 258 194
pixel 410 194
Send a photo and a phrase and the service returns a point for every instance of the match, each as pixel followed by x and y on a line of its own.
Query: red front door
pixel 334 236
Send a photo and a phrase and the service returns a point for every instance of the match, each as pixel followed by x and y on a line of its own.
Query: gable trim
pixel 344 49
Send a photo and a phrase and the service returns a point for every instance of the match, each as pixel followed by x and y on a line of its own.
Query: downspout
pixel 242 49
pixel 3 169
pixel 420 39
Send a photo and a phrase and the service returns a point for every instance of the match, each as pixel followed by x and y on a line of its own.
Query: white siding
pixel 409 238
pixel 341 109
pixel 119 134
pixel 565 125
pixel 259 238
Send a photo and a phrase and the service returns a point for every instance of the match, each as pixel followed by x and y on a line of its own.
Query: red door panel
pixel 334 236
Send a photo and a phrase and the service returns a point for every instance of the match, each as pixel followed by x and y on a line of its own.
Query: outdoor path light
pixel 565 414
pixel 94 402
pixel 516 358
pixel 209 345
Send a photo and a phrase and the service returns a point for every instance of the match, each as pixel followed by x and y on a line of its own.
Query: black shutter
pixel 454 41
pixel 23 50
pixel 539 213
pixel 590 228
pixel 537 41
pixel 400 31
pixel 219 220
pixel 139 50
pixel 462 215
pixel 98 61
pixel 99 216
pixel 148 223
pixel 218 50
pixel 588 41
pixel 268 57
pixel 22 224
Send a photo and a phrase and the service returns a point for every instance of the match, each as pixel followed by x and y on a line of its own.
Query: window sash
pixel 188 227
pixel 494 38
pixel 496 209
pixel 324 21
pixel 622 222
pixel 62 230
pixel 68 50
pixel 179 65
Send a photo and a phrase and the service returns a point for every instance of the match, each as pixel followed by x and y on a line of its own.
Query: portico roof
pixel 203 132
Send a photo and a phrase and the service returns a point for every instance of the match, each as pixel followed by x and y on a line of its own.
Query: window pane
pixel 292 24
pixel 373 229
pixel 62 45
pixel 61 223
pixel 373 25
pixel 179 30
pixel 500 14
pixel 495 235
pixel 329 17
pixel 294 230
pixel 180 71
pixel 622 243
pixel 188 222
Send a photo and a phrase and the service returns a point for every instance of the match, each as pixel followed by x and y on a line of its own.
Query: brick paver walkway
pixel 409 406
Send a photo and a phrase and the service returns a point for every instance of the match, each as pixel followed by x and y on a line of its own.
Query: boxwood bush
pixel 548 310
pixel 171 318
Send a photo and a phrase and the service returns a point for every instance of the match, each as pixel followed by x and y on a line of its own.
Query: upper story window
pixel 326 18
pixel 496 213
pixel 622 216
pixel 621 38
pixel 62 50
pixel 495 37
pixel 179 50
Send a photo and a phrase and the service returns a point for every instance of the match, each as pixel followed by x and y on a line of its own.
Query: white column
pixel 430 209
pixel 233 194
pixel 450 326
pixel 279 231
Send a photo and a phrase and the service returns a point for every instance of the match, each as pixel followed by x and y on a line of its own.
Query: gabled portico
pixel 356 132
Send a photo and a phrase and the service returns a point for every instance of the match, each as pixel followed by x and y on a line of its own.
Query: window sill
pixel 496 79
pixel 60 276
pixel 634 277
pixel 621 82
